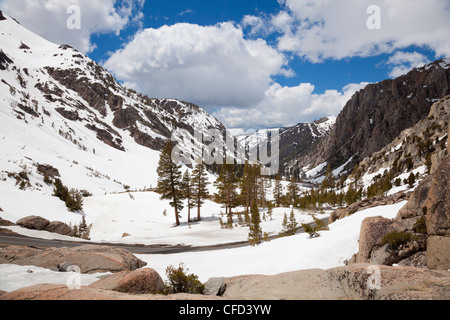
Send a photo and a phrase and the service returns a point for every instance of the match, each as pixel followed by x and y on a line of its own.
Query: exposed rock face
pixel 141 281
pixel 438 252
pixel 377 114
pixel 430 201
pixel 343 283
pixel 298 285
pixel 89 258
pixel 61 292
pixel 372 232
pixel 437 205
pixel 355 282
pixel 48 170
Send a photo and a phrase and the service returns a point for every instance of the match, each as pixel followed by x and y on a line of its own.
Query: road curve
pixel 8 238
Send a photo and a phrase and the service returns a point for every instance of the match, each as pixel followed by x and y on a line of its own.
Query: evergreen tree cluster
pixel 73 197
pixel 174 186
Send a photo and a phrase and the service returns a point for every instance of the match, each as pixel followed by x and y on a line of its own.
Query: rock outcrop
pixel 39 223
pixel 422 225
pixel 140 281
pixel 33 222
pixel 89 258
pixel 355 282
pixel 377 114
pixel 61 292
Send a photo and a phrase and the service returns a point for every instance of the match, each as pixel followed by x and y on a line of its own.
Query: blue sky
pixel 329 74
pixel 253 64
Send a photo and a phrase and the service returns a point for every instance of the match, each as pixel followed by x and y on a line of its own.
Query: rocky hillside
pixel 57 104
pixel 424 144
pixel 377 114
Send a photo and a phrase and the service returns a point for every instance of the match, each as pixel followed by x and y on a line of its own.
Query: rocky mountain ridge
pixel 376 115
pixel 57 99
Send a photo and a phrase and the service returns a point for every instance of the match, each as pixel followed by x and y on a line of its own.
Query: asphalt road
pixel 13 239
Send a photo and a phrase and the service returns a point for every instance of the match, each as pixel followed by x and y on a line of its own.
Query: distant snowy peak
pixel 316 129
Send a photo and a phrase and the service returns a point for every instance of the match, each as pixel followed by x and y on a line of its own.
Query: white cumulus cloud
pixel 285 106
pixel 328 29
pixel 403 62
pixel 208 65
pixel 48 18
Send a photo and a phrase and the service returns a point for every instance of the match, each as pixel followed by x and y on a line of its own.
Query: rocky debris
pixel 140 281
pixel 65 266
pixel 89 258
pixel 417 260
pixel 48 170
pixel 33 222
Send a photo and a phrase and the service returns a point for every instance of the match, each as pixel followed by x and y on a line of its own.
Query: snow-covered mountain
pixel 61 110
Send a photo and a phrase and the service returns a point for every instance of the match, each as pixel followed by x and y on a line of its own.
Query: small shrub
pixel 421 225
pixel 82 230
pixel 396 238
pixel 179 281
pixel 314 231
pixel 74 200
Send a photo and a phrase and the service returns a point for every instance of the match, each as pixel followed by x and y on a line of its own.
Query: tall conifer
pixel 169 180
pixel 199 187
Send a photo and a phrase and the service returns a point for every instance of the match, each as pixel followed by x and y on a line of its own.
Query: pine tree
pixel 250 185
pixel 270 209
pixel 293 191
pixel 187 192
pixel 285 225
pixel 74 200
pixel 226 184
pixel 292 222
pixel 245 184
pixel 169 181
pixel 411 180
pixel 199 187
pixel 329 180
pixel 278 190
pixel 255 233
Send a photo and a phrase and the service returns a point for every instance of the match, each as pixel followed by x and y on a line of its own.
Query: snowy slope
pixel 286 254
pixel 61 109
